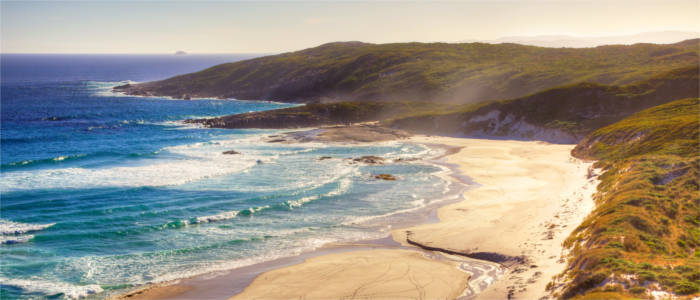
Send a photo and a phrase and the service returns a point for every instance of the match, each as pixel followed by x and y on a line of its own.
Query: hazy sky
pixel 266 27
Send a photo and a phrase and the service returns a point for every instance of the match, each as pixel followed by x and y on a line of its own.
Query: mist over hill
pixel 557 41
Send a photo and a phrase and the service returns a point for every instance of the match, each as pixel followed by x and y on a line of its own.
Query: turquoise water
pixel 104 192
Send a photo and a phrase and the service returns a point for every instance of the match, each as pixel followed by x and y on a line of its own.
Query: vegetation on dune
pixel 644 233
pixel 462 73
pixel 575 109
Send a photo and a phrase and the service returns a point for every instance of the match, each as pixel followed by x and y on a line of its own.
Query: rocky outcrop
pixel 385 177
pixel 370 160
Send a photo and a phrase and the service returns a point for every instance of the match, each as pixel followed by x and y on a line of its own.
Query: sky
pixel 272 27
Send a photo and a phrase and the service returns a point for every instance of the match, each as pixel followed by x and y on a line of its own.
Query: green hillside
pixel 563 114
pixel 319 114
pixel 567 113
pixel 462 73
pixel 645 231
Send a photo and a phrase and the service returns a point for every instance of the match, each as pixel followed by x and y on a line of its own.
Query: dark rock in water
pixel 370 159
pixel 231 152
pixel 385 177
pixel 277 141
pixel 324 157
pixel 405 159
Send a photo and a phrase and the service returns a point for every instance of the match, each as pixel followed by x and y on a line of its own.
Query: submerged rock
pixel 385 177
pixel 370 159
pixel 406 159
pixel 324 157
pixel 231 152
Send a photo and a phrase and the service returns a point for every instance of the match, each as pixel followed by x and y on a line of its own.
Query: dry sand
pixel 532 195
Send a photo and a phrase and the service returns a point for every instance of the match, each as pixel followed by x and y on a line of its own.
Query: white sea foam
pixel 52 287
pixel 15 239
pixel 197 161
pixel 15 228
pixel 224 215
pixel 415 206
pixel 218 217
pixel 344 185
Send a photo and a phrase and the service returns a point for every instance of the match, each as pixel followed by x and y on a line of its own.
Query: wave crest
pixel 53 287
pixel 16 228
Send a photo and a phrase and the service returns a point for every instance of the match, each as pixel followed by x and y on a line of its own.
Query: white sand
pixel 532 195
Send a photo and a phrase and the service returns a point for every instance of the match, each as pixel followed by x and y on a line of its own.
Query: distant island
pixel 180 52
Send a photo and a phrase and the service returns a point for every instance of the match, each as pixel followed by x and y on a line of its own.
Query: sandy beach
pixel 531 195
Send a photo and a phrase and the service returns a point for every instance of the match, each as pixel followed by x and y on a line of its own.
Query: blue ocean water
pixel 103 192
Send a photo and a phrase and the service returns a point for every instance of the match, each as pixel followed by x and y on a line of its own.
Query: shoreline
pixel 227 283
pixel 245 282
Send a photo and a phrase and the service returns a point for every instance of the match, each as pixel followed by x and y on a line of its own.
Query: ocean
pixel 101 192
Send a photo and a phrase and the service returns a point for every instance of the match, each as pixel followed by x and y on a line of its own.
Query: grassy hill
pixel 561 114
pixel 644 234
pixel 461 73
pixel 319 114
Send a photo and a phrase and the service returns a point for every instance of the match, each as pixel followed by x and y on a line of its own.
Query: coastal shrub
pixel 637 290
pixel 646 276
pixel 602 296
pixel 686 288
pixel 647 201
pixel 615 245
pixel 585 282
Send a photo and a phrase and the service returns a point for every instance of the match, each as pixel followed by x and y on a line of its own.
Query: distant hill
pixel 644 232
pixel 561 114
pixel 457 73
pixel 558 41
